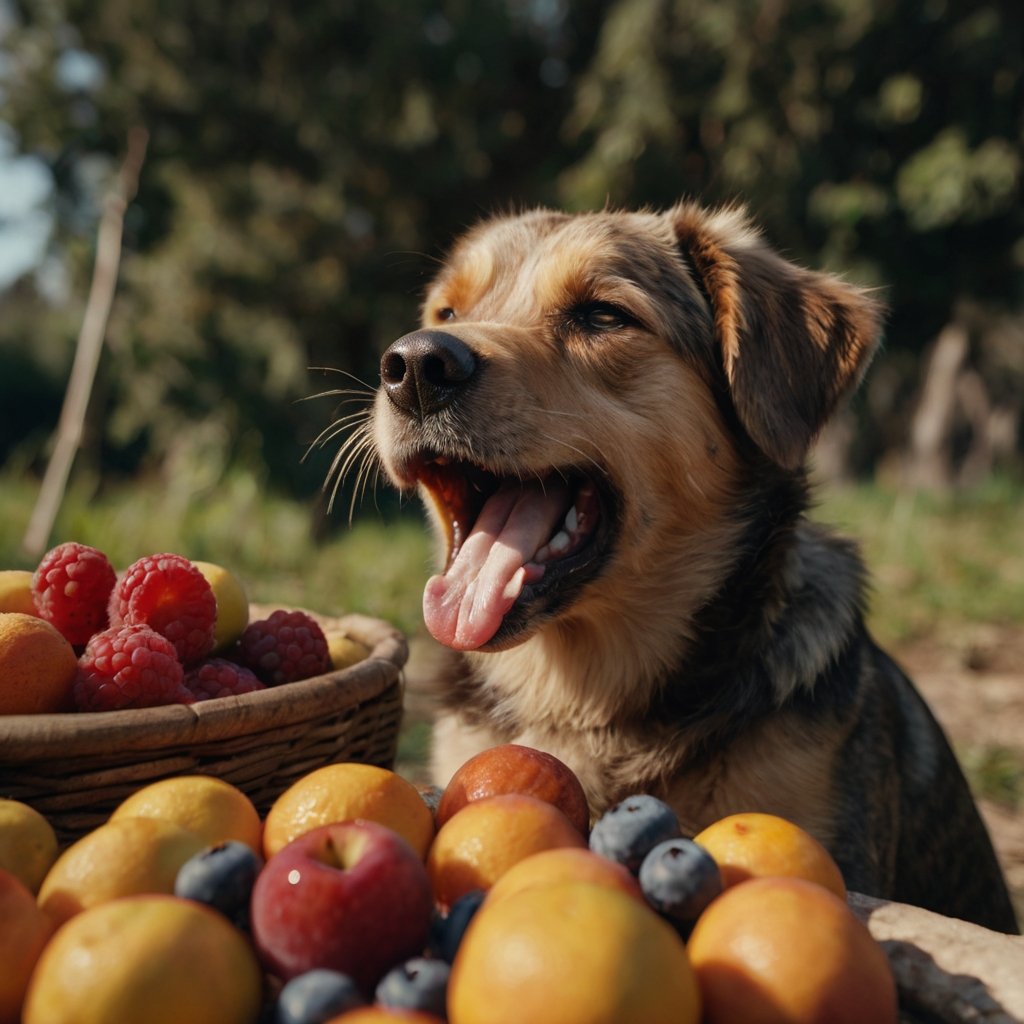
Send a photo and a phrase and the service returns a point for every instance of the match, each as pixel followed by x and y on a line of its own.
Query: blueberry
pixel 679 879
pixel 222 877
pixel 316 996
pixel 418 984
pixel 629 830
pixel 446 931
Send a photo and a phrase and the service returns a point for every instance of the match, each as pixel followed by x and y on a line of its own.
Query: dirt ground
pixel 974 682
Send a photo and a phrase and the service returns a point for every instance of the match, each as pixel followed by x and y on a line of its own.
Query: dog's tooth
pixel 571 520
pixel 542 554
pixel 560 542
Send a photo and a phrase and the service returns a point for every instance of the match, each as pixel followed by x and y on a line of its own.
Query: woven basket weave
pixel 76 768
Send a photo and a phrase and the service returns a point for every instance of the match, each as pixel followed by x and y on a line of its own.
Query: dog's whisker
pixel 344 373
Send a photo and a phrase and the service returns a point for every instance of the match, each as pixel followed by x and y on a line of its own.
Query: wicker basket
pixel 76 768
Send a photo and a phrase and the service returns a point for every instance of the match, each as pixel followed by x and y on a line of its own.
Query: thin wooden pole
pixel 71 425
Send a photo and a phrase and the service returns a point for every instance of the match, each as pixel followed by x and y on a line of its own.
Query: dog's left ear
pixel 792 341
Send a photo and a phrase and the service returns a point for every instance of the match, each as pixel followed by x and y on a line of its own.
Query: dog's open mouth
pixel 516 548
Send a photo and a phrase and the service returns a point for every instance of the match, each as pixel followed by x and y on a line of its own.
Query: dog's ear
pixel 792 341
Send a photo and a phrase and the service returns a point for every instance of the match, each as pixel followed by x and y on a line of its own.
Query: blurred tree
pixel 307 161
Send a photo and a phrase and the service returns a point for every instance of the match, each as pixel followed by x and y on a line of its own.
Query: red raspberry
pixel 284 647
pixel 70 588
pixel 219 677
pixel 129 667
pixel 168 593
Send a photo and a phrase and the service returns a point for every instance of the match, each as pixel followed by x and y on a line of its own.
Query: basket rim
pixel 26 738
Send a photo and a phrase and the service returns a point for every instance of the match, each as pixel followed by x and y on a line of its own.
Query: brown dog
pixel 608 416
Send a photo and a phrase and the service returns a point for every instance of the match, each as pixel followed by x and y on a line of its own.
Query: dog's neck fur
pixel 767 639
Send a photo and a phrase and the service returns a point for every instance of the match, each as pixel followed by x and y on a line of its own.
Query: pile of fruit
pixel 75 635
pixel 363 898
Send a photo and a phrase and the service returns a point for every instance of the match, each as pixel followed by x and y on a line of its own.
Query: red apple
pixel 515 768
pixel 352 896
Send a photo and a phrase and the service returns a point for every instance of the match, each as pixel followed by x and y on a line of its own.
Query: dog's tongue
pixel 464 607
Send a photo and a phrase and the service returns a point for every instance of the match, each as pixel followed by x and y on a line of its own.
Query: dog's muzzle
pixel 425 371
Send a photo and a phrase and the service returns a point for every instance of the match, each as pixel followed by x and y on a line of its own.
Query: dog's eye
pixel 599 317
pixel 445 313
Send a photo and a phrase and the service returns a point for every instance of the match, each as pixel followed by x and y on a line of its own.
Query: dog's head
pixel 587 397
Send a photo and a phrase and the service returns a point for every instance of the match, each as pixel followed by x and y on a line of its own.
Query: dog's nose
pixel 423 372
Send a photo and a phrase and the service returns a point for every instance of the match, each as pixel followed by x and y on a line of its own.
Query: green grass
pixel 935 562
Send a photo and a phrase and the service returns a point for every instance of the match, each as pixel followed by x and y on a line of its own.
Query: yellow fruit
pixel 210 807
pixel 753 845
pixel 232 604
pixel 24 931
pixel 575 953
pixel 344 651
pixel 480 842
pixel 564 864
pixel 37 666
pixel 342 792
pixel 28 844
pixel 120 858
pixel 788 951
pixel 146 960
pixel 16 591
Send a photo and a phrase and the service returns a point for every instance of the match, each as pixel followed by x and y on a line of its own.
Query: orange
pixel 16 591
pixel 787 951
pixel 384 1015
pixel 37 666
pixel 476 846
pixel 344 792
pixel 28 844
pixel 210 807
pixel 120 858
pixel 146 960
pixel 575 953
pixel 754 845
pixel 24 931
pixel 564 864
pixel 232 604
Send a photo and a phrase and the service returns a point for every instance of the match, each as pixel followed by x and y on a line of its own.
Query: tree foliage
pixel 307 163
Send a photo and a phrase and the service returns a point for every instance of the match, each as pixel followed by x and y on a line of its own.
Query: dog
pixel 608 417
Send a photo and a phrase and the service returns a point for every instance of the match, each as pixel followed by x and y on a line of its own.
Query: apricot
pixel 788 951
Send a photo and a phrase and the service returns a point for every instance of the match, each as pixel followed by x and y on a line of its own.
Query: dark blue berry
pixel 222 877
pixel 418 984
pixel 316 996
pixel 446 931
pixel 679 879
pixel 628 831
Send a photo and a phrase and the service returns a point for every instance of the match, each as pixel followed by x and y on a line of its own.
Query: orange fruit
pixel 564 864
pixel 37 666
pixel 515 768
pixel 210 807
pixel 755 845
pixel 384 1015
pixel 16 591
pixel 344 792
pixel 575 953
pixel 146 960
pixel 120 858
pixel 28 844
pixel 476 846
pixel 788 951
pixel 23 934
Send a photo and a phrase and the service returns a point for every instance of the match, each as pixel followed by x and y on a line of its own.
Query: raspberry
pixel 284 647
pixel 129 667
pixel 219 677
pixel 168 593
pixel 70 589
